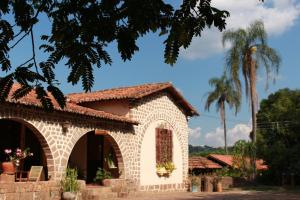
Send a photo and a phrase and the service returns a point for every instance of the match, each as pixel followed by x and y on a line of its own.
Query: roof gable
pixel 133 93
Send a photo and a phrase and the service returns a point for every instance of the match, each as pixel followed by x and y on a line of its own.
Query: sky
pixel 203 60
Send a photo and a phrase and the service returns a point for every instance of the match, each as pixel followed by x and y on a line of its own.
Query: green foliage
pixel 231 172
pixel 169 166
pixel 224 92
pixel 248 53
pixel 69 183
pixel 206 150
pixel 102 174
pixel 278 133
pixel 243 153
pixel 81 32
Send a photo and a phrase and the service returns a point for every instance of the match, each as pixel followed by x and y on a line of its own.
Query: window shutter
pixel 158 145
pixel 170 145
pixel 164 145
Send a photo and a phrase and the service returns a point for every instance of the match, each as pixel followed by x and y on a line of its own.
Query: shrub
pixel 69 183
pixel 102 174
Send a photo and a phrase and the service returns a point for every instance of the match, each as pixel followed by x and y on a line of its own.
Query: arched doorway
pixel 18 134
pixel 93 151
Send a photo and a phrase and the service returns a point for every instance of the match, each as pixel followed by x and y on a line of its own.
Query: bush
pixel 102 174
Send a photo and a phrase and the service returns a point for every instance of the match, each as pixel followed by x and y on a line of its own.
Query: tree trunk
pixel 225 129
pixel 253 96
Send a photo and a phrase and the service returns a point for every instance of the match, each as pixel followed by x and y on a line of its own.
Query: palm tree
pixel 223 92
pixel 249 51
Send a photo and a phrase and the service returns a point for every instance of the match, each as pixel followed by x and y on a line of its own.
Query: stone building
pixel 127 131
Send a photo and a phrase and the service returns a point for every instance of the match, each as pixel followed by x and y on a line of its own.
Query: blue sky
pixel 196 65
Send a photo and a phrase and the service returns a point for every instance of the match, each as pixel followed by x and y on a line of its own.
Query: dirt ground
pixel 234 195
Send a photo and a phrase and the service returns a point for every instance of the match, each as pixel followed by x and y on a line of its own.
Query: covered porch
pixel 17 134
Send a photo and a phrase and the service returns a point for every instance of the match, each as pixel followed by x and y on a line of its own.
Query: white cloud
pixel 278 16
pixel 194 136
pixel 216 138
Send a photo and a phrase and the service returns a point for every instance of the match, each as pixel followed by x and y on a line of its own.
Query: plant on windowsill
pixel 169 166
pixel 160 169
pixel 13 159
pixel 102 177
pixel 69 185
pixel 165 169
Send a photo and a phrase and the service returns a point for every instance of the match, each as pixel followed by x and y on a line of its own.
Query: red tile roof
pixel 133 92
pixel 224 159
pixel 228 160
pixel 202 163
pixel 31 100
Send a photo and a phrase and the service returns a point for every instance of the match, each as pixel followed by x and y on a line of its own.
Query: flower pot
pixel 106 182
pixel 194 188
pixel 69 196
pixel 161 171
pixel 219 186
pixel 8 168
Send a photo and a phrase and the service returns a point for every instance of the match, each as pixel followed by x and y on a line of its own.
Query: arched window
pixel 164 145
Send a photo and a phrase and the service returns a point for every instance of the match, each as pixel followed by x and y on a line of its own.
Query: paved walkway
pixel 237 195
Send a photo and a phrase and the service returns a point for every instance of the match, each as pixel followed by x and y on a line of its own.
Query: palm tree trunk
pixel 225 129
pixel 253 112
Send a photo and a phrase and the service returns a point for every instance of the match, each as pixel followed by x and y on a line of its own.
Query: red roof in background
pixel 133 92
pixel 228 160
pixel 260 165
pixel 202 163
pixel 31 100
pixel 224 159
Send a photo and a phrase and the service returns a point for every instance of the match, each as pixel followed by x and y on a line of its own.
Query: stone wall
pixel 159 107
pixel 43 190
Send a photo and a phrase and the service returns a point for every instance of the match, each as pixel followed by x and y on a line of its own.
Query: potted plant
pixel 13 159
pixel 103 177
pixel 194 183
pixel 169 166
pixel 70 185
pixel 160 169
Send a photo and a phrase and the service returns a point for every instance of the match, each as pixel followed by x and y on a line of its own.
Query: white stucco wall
pixel 148 159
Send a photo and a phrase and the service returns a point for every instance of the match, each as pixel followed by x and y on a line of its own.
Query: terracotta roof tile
pixel 133 92
pixel 202 163
pixel 228 160
pixel 31 100
pixel 224 159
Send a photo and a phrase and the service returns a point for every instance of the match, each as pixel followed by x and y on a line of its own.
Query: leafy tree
pixel 249 51
pixel 80 32
pixel 242 154
pixel 223 93
pixel 278 135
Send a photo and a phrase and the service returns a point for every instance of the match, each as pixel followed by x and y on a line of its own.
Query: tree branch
pixel 33 51
pixel 25 62
pixel 30 29
pixel 19 40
